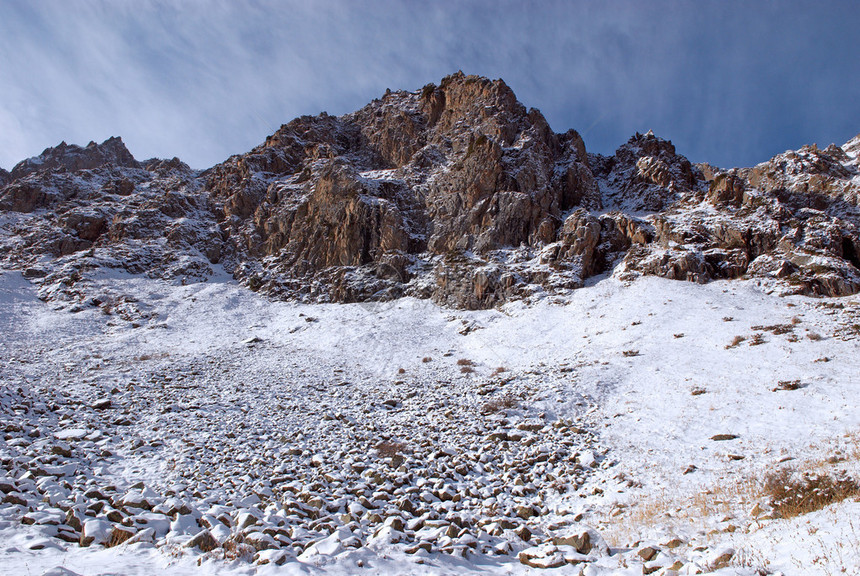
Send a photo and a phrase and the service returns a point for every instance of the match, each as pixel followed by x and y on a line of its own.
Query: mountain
pixel 639 425
pixel 455 192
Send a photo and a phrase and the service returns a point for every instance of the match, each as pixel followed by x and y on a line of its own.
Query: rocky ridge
pixel 454 192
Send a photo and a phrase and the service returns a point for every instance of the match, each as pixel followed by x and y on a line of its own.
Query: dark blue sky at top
pixel 730 83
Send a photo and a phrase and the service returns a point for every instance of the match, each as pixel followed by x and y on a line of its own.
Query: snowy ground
pixel 598 409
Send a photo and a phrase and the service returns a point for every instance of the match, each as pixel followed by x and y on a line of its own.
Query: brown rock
pixel 579 538
pixel 204 541
pixel 726 189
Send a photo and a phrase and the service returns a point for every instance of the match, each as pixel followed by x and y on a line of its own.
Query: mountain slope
pixel 455 192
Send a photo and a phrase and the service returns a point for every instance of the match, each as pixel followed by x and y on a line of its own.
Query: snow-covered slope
pixel 336 438
pixel 512 379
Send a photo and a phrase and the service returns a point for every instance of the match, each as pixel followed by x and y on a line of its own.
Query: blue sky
pixel 731 83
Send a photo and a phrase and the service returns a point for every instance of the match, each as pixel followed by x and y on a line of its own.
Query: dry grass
pixel 752 559
pixel 852 440
pixel 814 336
pixel 835 555
pixel 505 402
pixel 788 385
pixel 776 329
pixel 674 509
pixel 466 365
pixel 810 485
pixel 233 550
pixel 793 493
pixel 631 353
pixel 736 342
pixel 757 340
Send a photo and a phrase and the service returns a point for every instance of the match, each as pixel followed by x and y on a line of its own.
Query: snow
pixel 389 175
pixel 651 365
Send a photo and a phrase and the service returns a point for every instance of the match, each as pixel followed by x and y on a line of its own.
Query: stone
pixel 246 519
pixel 394 522
pixel 527 511
pixel 334 544
pixel 62 449
pixel 60 571
pixel 523 533
pixel 71 434
pixel 203 541
pixel 727 189
pixel 276 557
pixel 260 541
pixel 587 458
pixel 720 558
pixel 145 536
pixel 95 532
pixel 120 535
pixel 102 404
pixel 111 152
pixel 543 556
pixel 16 499
pixel 66 534
pixel 74 520
pixel 582 539
pixel 144 499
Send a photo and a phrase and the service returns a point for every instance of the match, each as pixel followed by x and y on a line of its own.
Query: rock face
pixel 62 221
pixel 71 158
pixel 645 174
pixel 454 192
pixel 441 180
pixel 794 218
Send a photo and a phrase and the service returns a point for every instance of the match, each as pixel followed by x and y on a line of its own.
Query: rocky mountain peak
pixel 71 157
pixel 455 192
pixel 852 148
pixel 487 106
pixel 645 174
pixel 455 169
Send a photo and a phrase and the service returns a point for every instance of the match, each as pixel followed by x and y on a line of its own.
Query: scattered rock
pixel 203 541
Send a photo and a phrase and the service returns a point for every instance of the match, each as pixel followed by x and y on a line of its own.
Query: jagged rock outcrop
pixel 71 158
pixel 448 174
pixel 455 192
pixel 77 210
pixel 794 217
pixel 645 174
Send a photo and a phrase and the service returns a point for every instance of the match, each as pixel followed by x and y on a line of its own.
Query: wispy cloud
pixel 729 82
